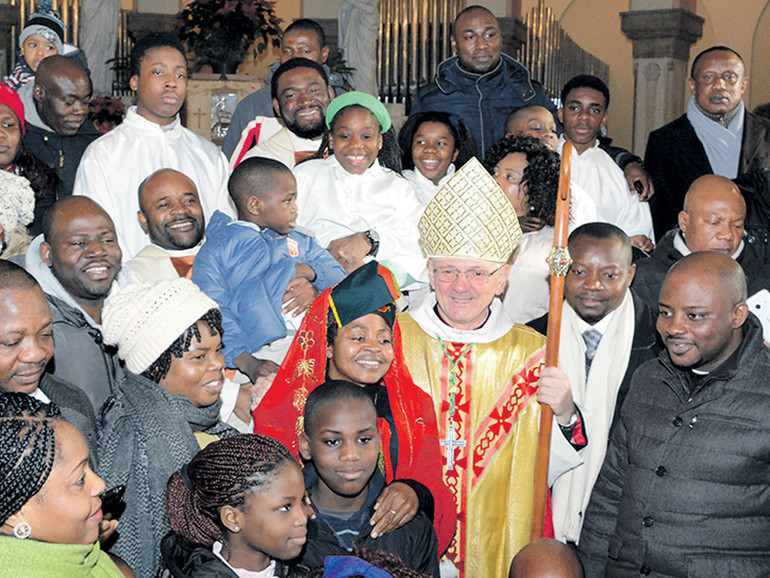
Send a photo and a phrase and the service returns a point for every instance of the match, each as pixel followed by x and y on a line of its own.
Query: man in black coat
pixel 57 127
pixel 712 220
pixel 683 489
pixel 606 333
pixel 716 135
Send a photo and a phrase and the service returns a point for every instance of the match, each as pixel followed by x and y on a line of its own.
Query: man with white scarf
pixel 717 135
pixel 606 333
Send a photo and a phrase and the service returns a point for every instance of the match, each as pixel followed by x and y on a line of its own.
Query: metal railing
pixel 70 14
pixel 121 65
pixel 551 56
pixel 414 39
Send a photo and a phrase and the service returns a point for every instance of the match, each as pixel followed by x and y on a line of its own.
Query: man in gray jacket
pixel 683 489
pixel 76 261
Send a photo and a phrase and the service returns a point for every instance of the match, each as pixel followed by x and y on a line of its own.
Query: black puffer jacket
pixel 684 489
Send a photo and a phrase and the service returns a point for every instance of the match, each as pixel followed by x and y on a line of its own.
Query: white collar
pixel 268 572
pixel 562 140
pixel 177 253
pixel 133 117
pixel 497 324
pixel 303 144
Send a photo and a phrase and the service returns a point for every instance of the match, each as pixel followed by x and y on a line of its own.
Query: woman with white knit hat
pixel 169 334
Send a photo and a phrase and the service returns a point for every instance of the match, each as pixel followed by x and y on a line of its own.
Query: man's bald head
pixel 546 559
pixel 714 269
pixel 170 210
pixel 702 310
pixel 65 208
pixel 62 92
pixel 15 278
pixel 713 216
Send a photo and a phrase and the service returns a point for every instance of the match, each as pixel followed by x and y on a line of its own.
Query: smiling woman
pixel 169 334
pixel 50 510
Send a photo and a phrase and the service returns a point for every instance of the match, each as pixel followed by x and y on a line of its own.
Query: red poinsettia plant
pixel 221 32
pixel 106 112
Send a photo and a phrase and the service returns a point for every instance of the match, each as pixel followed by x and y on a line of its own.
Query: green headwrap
pixel 364 99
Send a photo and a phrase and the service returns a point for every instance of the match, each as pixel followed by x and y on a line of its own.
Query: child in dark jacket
pixel 342 445
pixel 260 270
pixel 236 509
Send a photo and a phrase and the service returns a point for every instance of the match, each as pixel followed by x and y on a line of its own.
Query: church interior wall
pixel 595 25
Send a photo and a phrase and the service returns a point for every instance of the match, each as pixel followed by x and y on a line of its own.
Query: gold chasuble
pixel 488 418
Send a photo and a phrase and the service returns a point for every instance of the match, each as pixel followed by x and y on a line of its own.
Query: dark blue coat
pixel 483 101
pixel 246 272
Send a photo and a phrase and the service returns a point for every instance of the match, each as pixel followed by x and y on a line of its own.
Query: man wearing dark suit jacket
pixel 717 135
pixel 606 333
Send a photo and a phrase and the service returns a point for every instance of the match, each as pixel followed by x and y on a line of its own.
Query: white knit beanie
pixel 144 319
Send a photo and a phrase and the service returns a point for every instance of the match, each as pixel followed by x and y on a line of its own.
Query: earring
pixel 237 529
pixel 22 530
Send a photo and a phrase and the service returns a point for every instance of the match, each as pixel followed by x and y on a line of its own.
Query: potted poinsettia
pixel 221 33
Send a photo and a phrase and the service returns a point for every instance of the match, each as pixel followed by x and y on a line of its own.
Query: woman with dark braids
pixel 50 511
pixel 351 193
pixel 528 173
pixel 237 509
pixel 169 334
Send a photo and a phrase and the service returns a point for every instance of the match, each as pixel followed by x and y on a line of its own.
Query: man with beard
pixel 301 94
pixel 76 261
pixel 170 213
pixel 606 333
pixel 683 489
pixel 253 121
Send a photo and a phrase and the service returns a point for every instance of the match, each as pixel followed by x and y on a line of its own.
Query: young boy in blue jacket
pixel 260 270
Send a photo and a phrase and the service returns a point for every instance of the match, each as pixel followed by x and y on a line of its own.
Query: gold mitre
pixel 470 218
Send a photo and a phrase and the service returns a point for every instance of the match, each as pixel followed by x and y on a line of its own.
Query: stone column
pixel 662 32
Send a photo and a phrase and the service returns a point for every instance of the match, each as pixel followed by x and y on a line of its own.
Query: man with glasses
pixel 482 372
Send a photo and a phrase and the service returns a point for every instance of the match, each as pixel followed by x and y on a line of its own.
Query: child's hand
pixel 396 506
pixel 350 251
pixel 299 295
pixel 306 271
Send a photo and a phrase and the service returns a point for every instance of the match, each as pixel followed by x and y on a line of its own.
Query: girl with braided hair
pixel 351 193
pixel 169 334
pixel 237 507
pixel 50 510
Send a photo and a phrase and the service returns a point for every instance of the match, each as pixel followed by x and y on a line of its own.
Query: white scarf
pixel 722 145
pixel 596 399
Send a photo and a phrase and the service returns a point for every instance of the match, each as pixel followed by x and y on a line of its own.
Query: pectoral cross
pixel 451 443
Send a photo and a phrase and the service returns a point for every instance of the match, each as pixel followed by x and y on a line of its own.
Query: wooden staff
pixel 559 261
